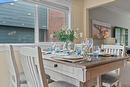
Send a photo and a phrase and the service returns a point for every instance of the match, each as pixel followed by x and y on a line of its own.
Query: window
pixel 42 22
pixel 18 21
pixel 56 19
pixel 121 35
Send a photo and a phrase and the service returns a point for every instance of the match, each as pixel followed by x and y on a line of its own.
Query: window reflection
pixel 17 22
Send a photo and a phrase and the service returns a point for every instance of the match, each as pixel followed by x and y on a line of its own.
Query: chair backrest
pixel 32 64
pixel 12 67
pixel 114 49
pixel 47 45
pixel 60 44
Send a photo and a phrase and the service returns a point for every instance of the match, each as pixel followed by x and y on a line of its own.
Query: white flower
pixel 75 35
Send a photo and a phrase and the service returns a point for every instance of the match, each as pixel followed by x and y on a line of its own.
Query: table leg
pixel 89 83
pixel 120 73
pixel 99 83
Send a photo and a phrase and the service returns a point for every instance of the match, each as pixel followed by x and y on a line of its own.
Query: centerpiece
pixel 66 35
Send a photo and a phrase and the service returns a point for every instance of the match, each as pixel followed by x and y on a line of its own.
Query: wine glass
pixel 89 43
pixel 96 51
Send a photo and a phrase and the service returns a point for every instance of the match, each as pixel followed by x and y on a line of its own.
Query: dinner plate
pixel 72 57
pixel 102 54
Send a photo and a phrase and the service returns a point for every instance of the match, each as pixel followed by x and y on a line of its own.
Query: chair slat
pixel 12 67
pixel 33 66
pixel 114 49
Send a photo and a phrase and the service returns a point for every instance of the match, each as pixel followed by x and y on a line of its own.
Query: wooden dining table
pixel 82 73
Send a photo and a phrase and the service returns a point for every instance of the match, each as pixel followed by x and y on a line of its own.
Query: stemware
pixel 78 51
pixel 87 48
pixel 96 51
pixel 89 44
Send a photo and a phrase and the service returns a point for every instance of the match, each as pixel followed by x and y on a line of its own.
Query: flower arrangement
pixel 65 34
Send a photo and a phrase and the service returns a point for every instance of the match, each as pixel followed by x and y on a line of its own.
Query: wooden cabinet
pixel 121 35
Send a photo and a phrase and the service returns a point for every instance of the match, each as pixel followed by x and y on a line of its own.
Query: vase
pixel 65 47
pixel 68 45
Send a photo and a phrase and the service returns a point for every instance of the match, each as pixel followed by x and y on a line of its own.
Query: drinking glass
pixel 87 48
pixel 96 51
pixel 89 44
pixel 78 51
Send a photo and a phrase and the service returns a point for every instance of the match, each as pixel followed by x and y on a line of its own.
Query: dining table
pixel 82 73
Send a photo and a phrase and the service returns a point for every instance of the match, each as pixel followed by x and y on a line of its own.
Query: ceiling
pixel 121 6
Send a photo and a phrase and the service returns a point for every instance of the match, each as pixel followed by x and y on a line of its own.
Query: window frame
pixel 49 5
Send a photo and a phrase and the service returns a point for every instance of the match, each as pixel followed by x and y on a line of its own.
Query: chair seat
pixel 110 78
pixel 23 78
pixel 61 84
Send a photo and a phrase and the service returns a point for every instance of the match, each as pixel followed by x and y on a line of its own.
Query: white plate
pixel 72 57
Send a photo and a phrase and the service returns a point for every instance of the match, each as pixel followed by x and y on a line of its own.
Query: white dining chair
pixel 33 67
pixel 47 45
pixel 111 79
pixel 16 79
pixel 117 50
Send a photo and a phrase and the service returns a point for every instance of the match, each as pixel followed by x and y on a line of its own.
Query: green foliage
pixel 65 35
pixel 71 36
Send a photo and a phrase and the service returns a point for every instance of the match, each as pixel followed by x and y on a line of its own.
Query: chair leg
pixel 112 85
pixel 106 85
pixel 118 84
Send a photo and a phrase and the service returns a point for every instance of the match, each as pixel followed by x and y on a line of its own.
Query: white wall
pixel 112 17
